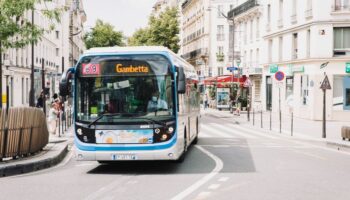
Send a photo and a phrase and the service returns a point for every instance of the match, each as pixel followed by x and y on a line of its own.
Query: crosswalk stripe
pixel 210 130
pixel 232 130
pixel 251 131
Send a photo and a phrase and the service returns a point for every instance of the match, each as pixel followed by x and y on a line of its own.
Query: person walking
pixel 206 101
pixel 238 106
pixel 40 100
pixel 52 119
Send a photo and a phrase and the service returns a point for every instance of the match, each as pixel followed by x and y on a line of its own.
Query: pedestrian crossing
pixel 227 130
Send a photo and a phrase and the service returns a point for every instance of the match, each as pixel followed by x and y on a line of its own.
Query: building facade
pixel 205 36
pixel 248 40
pixel 306 40
pixel 51 56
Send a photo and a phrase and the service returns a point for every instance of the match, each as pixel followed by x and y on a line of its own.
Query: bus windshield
pixel 122 89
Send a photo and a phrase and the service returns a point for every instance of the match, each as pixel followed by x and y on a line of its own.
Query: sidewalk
pixel 52 154
pixel 302 128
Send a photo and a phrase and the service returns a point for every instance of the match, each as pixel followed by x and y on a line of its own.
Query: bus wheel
pixel 182 157
pixel 195 140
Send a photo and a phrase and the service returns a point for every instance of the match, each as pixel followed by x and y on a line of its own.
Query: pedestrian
pixel 238 105
pixel 40 100
pixel 55 98
pixel 206 101
pixel 52 120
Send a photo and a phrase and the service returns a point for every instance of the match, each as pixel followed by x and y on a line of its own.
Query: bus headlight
pixel 157 130
pixel 79 131
pixel 170 129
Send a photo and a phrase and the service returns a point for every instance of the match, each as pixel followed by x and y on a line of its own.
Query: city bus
pixel 133 103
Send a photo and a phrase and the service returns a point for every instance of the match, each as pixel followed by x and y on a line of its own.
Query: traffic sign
pixel 273 68
pixel 232 68
pixel 279 76
pixel 325 84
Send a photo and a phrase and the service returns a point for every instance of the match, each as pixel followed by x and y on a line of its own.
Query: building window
pixel 57 35
pixel 280 49
pixel 23 91
pixel 280 14
pixel 268 13
pixel 220 71
pixel 289 87
pixel 257 58
pixel 304 89
pixel 220 33
pixel 257 28
pixel 220 11
pixel 27 90
pixel 57 51
pixel 338 89
pixel 340 5
pixel 251 31
pixel 308 43
pixel 270 51
pixel 342 41
pixel 245 32
pixel 295 46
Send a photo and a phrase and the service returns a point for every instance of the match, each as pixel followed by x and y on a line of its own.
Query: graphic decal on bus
pixel 124 136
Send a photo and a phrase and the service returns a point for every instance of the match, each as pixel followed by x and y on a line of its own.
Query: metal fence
pixel 23 131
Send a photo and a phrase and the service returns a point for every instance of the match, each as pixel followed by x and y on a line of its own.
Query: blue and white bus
pixel 133 103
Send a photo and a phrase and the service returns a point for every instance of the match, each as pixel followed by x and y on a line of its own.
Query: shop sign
pixel 347 68
pixel 298 69
pixel 4 98
pixel 273 69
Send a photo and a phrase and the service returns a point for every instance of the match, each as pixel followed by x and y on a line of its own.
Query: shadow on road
pixel 236 159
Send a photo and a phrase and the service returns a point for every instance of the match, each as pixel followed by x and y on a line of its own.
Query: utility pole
pixel 43 83
pixel 32 91
pixel 0 73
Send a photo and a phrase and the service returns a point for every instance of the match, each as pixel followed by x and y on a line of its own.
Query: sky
pixel 124 15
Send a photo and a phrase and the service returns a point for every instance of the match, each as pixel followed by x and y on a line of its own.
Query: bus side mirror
pixel 65 82
pixel 181 80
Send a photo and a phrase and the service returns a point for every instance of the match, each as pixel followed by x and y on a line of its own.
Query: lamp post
pixel 32 91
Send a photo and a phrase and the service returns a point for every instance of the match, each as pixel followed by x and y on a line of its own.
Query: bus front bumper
pixel 171 153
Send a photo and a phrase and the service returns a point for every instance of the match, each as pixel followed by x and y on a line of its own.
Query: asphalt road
pixel 229 162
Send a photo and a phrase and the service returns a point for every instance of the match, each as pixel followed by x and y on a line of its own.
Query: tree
pixel 162 30
pixel 103 35
pixel 17 30
pixel 140 37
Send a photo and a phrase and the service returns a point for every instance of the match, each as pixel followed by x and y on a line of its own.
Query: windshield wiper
pixel 152 120
pixel 104 115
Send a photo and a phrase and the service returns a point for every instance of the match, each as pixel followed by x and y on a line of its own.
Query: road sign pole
pixel 324 115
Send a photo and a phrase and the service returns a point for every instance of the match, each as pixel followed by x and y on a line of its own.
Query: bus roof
pixel 99 50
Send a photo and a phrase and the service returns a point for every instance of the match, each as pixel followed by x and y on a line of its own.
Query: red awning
pixel 221 81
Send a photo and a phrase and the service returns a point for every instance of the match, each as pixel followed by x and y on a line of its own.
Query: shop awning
pixel 222 81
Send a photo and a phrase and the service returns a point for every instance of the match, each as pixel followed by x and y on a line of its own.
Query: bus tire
pixel 195 140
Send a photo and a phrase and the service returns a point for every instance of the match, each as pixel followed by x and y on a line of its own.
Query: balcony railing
pixel 308 14
pixel 243 8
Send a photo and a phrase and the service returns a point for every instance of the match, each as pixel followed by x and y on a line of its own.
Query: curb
pixel 30 166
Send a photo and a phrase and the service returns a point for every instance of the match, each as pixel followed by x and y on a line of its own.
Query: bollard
pixel 291 131
pixel 253 117
pixel 281 121
pixel 59 126
pixel 270 120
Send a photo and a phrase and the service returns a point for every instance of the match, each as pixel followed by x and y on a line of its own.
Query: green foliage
pixel 103 35
pixel 17 31
pixel 162 30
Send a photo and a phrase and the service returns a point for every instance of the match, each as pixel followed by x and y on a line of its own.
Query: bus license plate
pixel 124 157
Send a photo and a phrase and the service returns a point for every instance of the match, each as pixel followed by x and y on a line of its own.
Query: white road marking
pixel 223 179
pixel 214 186
pixel 310 155
pixel 232 129
pixel 218 167
pixel 213 131
pixel 203 195
pixel 258 133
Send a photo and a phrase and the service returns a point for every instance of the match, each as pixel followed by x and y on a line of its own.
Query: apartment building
pixel 205 31
pixel 307 39
pixel 51 53
pixel 248 43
